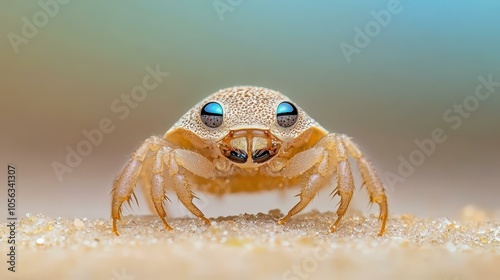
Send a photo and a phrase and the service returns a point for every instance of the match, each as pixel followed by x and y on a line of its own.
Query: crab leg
pixel 197 165
pixel 157 190
pixel 330 150
pixel 144 179
pixel 124 185
pixel 299 164
pixel 371 180
pixel 345 183
pixel 188 160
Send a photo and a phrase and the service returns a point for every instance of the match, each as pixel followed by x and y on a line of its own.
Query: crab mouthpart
pixel 240 145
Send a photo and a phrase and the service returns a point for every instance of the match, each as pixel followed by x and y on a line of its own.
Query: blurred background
pixel 387 73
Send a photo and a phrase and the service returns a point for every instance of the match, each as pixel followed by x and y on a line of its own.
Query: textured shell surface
pixel 245 107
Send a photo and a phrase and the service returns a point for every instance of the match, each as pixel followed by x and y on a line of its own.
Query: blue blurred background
pixel 64 63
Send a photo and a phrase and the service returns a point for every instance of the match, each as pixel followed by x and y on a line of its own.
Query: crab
pixel 246 139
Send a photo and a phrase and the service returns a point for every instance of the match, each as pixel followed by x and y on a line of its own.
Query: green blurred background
pixel 85 55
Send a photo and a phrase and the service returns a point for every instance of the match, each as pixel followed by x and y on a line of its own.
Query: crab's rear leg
pixel 124 185
pixel 371 180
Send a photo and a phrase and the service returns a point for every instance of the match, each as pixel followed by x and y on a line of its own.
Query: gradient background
pixel 396 90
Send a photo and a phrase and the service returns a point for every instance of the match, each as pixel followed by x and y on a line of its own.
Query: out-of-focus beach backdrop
pixel 390 74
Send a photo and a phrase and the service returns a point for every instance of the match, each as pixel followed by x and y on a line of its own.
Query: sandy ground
pixel 255 247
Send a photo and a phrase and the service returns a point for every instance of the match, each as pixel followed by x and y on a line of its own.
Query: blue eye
pixel 286 114
pixel 212 114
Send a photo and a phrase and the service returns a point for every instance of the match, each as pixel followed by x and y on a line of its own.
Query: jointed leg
pixel 145 180
pixel 345 183
pixel 306 195
pixel 124 185
pixel 186 196
pixel 157 190
pixel 371 180
pixel 179 163
pixel 196 164
pixel 334 149
pixel 328 152
pixel 300 163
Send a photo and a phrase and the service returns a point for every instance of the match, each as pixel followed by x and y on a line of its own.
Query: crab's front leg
pixel 124 185
pixel 170 167
pixel 334 149
pixel 174 167
pixel 322 159
pixel 193 164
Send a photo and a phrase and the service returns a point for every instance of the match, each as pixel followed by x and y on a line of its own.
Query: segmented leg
pixel 180 165
pixel 196 164
pixel 371 180
pixel 299 164
pixel 306 195
pixel 124 185
pixel 345 183
pixel 145 180
pixel 186 196
pixel 157 189
pixel 330 152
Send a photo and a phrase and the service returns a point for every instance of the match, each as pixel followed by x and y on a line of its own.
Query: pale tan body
pixel 188 157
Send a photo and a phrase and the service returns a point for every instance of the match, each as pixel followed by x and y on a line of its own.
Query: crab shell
pixel 244 108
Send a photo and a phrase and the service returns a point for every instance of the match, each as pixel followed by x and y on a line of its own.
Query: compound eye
pixel 212 115
pixel 286 114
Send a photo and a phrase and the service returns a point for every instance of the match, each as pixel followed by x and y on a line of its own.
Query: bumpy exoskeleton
pixel 246 139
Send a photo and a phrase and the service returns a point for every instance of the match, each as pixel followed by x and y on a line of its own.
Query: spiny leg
pixel 371 180
pixel 306 195
pixel 145 179
pixel 186 196
pixel 158 186
pixel 124 185
pixel 196 164
pixel 310 157
pixel 345 182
